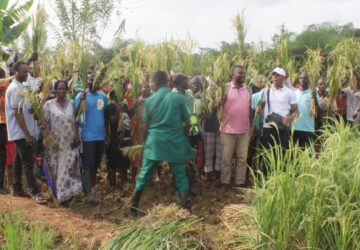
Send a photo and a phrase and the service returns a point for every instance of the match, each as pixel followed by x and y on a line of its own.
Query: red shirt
pixel 341 104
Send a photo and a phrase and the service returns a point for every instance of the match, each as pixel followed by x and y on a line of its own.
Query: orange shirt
pixel 4 83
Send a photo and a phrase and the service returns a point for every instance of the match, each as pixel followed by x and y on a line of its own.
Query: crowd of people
pixel 67 142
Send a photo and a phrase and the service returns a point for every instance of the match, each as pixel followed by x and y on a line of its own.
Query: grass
pixel 18 234
pixel 162 228
pixel 311 200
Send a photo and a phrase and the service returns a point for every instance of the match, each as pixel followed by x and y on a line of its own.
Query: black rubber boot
pixel 86 182
pixel 87 186
pixel 135 200
pixel 191 174
pixel 184 201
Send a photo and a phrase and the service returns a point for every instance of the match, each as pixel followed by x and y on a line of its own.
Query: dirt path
pixel 96 224
pixel 88 232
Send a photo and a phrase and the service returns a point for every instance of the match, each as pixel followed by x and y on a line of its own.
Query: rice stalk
pixel 132 151
pixel 312 202
pixel 136 66
pixel 313 66
pixel 239 24
pixel 187 60
pixel 282 51
pixel 162 228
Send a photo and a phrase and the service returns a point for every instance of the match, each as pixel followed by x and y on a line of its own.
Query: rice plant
pixel 136 66
pixel 313 66
pixel 187 61
pixel 162 228
pixel 312 202
pixel 239 24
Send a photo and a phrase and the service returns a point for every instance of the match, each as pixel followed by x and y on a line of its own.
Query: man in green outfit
pixel 165 139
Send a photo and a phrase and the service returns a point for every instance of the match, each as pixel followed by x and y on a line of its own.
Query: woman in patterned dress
pixel 62 158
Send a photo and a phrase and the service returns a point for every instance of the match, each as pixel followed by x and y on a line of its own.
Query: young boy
pixel 120 136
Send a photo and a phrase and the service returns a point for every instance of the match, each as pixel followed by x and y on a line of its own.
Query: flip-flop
pixel 39 198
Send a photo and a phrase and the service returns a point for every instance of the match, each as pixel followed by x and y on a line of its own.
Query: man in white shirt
pixel 20 125
pixel 280 107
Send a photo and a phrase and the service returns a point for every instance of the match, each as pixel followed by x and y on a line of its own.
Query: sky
pixel 209 21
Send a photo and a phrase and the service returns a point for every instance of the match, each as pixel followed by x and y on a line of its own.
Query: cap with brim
pixel 279 71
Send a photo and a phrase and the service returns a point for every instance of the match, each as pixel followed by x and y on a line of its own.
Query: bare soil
pixel 93 225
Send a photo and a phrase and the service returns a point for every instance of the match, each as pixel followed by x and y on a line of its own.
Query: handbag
pixel 274 119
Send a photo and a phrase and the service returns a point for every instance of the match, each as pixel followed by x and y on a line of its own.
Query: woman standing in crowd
pixel 62 159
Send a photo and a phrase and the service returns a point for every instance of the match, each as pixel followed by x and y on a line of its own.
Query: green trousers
pixel 177 168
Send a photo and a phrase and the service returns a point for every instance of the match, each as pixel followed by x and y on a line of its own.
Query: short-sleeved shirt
pixel 14 99
pixel 304 122
pixel 280 101
pixel 211 123
pixel 189 99
pixel 94 125
pixel 4 83
pixel 236 113
pixel 255 101
pixel 341 101
pixel 352 103
pixel 165 112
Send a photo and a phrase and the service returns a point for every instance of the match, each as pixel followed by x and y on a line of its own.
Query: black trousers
pixel 2 153
pixel 303 138
pixel 92 152
pixel 271 136
pixel 24 160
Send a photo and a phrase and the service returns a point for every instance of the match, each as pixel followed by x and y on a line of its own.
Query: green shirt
pixel 165 113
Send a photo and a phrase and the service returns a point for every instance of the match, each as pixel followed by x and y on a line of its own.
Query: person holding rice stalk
pixel 353 99
pixel 181 86
pixel 235 128
pixel 280 108
pixel 20 123
pixel 165 139
pixel 62 158
pixel 304 124
pixel 94 131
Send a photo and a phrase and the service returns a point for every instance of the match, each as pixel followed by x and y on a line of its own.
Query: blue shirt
pixel 255 101
pixel 305 122
pixel 94 124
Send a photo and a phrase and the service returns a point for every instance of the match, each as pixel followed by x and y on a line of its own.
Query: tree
pixel 324 36
pixel 35 40
pixel 85 20
pixel 13 21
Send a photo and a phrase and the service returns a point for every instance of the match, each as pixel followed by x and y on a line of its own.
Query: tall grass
pixel 20 235
pixel 310 200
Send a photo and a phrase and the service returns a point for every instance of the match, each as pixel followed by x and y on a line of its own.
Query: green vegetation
pixel 312 202
pixel 17 234
pixel 162 228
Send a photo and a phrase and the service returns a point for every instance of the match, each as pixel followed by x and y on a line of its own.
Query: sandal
pixel 39 199
pixel 3 191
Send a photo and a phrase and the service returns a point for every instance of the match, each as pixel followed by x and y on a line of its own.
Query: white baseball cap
pixel 279 71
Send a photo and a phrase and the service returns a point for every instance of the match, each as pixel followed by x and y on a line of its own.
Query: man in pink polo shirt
pixel 235 128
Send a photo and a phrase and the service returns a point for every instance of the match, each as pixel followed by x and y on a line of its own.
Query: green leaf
pixel 16 13
pixel 14 32
pixel 26 6
pixel 3 4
